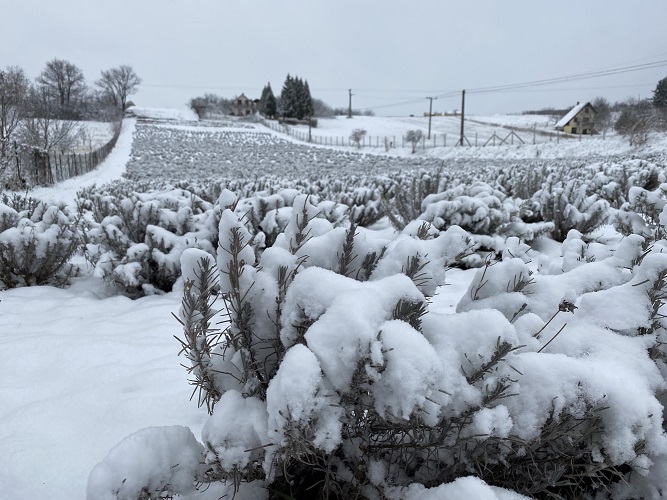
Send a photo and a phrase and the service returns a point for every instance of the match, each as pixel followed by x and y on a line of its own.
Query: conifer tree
pixel 295 99
pixel 660 94
pixel 288 102
pixel 308 108
pixel 267 104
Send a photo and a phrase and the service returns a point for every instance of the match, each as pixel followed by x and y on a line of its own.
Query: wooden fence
pixel 35 167
pixel 504 137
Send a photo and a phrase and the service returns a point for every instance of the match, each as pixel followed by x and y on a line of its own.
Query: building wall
pixel 242 106
pixel 582 123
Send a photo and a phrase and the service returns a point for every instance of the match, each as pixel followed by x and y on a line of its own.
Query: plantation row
pixel 134 232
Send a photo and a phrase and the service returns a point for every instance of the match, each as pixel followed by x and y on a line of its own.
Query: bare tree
pixel 14 89
pixel 637 121
pixel 119 83
pixel 603 117
pixel 63 81
pixel 41 128
pixel 357 136
pixel 414 137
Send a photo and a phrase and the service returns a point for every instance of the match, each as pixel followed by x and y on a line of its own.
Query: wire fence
pixel 27 166
pixel 504 137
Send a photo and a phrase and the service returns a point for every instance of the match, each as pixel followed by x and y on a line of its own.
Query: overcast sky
pixel 387 51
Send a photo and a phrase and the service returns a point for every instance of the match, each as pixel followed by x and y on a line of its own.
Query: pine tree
pixel 307 101
pixel 660 94
pixel 271 107
pixel 288 102
pixel 295 99
pixel 267 103
pixel 299 90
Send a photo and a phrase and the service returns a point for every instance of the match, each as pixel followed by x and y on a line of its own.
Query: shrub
pixel 37 241
pixel 571 205
pixel 414 137
pixel 135 240
pixel 357 136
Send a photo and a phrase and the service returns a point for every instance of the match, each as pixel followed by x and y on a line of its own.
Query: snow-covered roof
pixel 573 112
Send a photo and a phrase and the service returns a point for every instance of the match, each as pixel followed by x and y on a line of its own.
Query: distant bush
pixel 414 137
pixel 135 240
pixel 571 205
pixel 37 241
pixel 357 136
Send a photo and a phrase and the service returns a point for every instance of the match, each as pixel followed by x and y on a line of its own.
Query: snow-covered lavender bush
pixel 135 240
pixel 570 204
pixel 642 213
pixel 404 196
pixel 37 241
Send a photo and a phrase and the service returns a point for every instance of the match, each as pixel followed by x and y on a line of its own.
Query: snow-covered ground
pixel 175 114
pixel 479 131
pixel 92 135
pixel 83 368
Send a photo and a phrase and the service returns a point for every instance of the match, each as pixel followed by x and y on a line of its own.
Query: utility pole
pixel 430 114
pixel 463 112
pixel 349 111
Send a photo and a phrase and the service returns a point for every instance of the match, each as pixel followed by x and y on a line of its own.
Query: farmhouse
pixel 242 106
pixel 579 120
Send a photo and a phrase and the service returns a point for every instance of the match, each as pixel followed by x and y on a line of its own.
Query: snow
pixel 82 370
pixel 184 114
pixel 152 458
pixel 464 488
pixel 110 169
pixel 92 393
pixel 539 138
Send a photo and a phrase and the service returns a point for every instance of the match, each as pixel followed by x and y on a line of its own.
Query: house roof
pixel 572 113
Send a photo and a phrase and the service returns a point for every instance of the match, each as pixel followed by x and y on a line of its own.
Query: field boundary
pixel 29 166
pixel 511 138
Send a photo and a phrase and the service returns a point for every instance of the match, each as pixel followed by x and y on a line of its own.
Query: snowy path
pixel 111 168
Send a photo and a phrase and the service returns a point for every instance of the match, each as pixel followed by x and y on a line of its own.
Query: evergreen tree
pixel 299 91
pixel 288 98
pixel 308 107
pixel 660 94
pixel 295 99
pixel 267 104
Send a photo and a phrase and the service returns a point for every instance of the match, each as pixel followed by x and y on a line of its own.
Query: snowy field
pixel 84 367
pixel 479 130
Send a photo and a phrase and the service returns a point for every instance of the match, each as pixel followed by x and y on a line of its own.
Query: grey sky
pixel 387 51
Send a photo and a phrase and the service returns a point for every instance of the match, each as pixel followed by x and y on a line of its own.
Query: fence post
pixel 475 139
pixel 445 141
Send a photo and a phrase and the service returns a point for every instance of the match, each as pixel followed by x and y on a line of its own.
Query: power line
pixel 521 86
pixel 525 86
pixel 571 78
